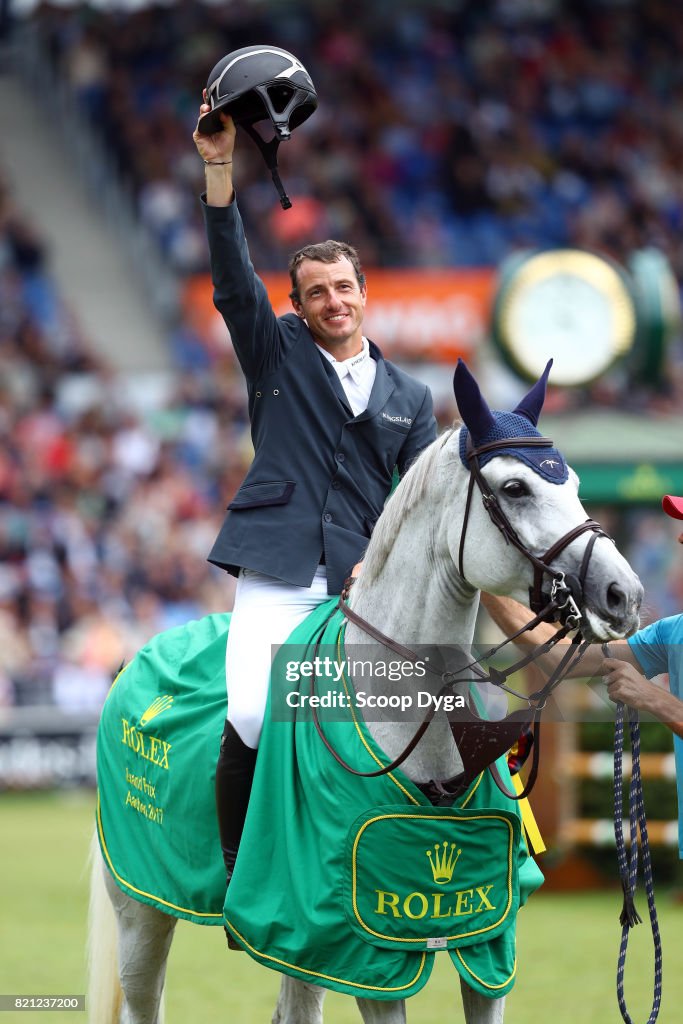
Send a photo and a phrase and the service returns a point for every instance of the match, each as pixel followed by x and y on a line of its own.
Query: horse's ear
pixel 475 413
pixel 532 403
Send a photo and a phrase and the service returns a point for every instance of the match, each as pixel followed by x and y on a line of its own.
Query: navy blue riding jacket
pixel 320 475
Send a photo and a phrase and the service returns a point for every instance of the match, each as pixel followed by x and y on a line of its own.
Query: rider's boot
pixel 234 775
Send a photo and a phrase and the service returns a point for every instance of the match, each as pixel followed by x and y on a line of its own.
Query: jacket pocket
pixel 259 495
pixel 397 425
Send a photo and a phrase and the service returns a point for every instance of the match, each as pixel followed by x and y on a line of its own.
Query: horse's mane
pixel 410 491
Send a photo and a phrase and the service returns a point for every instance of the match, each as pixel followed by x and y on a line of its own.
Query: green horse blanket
pixel 352 883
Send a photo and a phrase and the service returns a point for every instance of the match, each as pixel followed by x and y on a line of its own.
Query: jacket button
pixel 328 517
pixel 340 456
pixel 336 484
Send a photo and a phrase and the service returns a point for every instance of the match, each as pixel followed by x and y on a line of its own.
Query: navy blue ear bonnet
pixel 485 426
pixel 547 462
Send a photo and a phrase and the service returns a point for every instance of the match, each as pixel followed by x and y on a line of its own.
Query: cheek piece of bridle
pixel 480 742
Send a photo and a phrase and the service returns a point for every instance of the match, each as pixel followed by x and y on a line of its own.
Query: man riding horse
pixel 330 420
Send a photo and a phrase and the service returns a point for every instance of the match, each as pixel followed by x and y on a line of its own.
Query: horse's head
pixel 529 512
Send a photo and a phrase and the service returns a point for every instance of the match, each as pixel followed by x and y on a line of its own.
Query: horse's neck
pixel 418 600
pixel 417 603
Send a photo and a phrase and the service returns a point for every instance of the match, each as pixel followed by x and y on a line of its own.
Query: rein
pixel 480 742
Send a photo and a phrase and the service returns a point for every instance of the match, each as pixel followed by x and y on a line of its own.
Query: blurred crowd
pixel 107 512
pixel 446 134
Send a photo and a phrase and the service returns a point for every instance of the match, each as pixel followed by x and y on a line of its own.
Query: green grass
pixel 567 943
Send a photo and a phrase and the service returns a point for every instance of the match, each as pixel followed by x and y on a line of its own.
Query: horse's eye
pixel 515 489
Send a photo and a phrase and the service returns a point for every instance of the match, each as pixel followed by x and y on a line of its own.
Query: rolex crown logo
pixel 442 862
pixel 156 707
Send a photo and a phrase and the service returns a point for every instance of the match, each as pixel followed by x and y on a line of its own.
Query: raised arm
pixel 239 294
pixel 217 153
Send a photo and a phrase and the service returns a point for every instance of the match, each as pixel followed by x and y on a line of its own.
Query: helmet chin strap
pixel 269 152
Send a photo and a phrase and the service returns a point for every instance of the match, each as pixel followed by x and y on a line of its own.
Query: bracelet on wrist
pixel 217 163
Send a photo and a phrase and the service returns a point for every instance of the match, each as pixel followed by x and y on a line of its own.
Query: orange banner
pixel 434 315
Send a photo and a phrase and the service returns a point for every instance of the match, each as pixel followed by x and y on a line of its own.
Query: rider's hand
pixel 218 147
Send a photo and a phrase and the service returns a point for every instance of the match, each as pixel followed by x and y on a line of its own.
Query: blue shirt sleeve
pixel 652 644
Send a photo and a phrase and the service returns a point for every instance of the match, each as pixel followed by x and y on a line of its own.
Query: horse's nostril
pixel 616 598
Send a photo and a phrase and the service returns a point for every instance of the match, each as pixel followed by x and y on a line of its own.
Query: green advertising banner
pixel 629 482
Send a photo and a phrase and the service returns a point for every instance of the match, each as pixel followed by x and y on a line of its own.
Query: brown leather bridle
pixel 568 591
pixel 481 742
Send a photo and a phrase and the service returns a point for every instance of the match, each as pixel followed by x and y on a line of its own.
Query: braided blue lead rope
pixel 628 869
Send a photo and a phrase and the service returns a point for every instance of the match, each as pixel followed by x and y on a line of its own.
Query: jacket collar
pixel 381 389
pixel 334 380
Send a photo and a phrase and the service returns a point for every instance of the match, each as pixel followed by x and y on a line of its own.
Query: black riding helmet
pixel 257 83
pixel 260 83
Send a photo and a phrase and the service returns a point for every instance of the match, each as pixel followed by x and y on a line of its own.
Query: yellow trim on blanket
pixel 473 790
pixel 218 918
pixel 365 743
pixel 118 676
pixel 370 751
pixel 481 980
pixel 533 833
pixel 328 977
pixel 445 817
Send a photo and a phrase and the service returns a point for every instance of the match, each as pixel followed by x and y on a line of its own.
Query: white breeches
pixel 264 614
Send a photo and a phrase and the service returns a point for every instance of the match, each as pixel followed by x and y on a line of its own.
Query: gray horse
pixel 424 567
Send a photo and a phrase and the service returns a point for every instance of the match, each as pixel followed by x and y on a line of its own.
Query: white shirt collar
pixel 352 367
